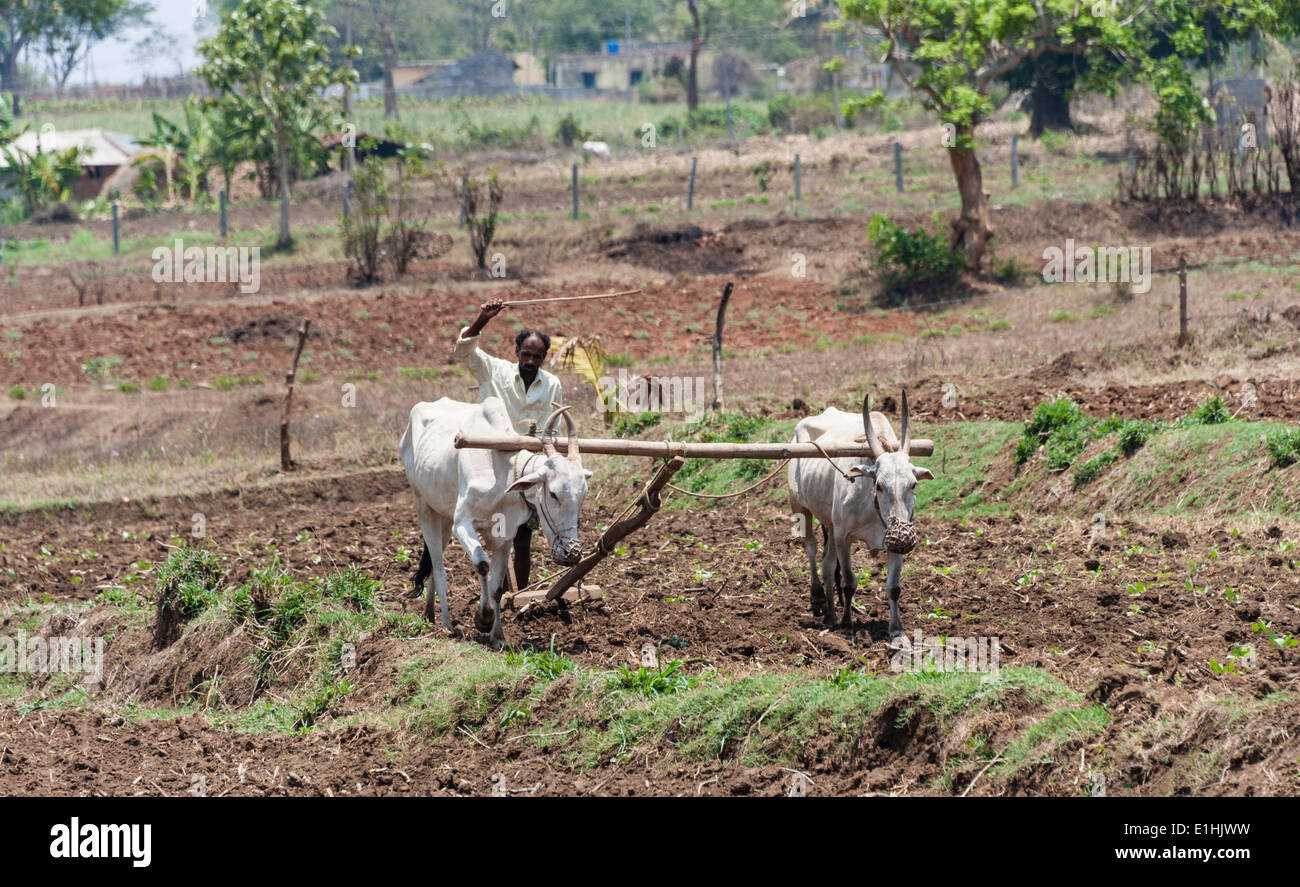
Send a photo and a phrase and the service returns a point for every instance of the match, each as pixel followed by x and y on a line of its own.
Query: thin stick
pixel 717 341
pixel 570 298
pixel 979 774
pixel 286 464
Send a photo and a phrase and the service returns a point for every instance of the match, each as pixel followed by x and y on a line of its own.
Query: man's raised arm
pixel 468 354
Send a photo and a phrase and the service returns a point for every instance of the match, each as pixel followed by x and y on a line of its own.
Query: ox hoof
pixel 483 620
pixel 497 641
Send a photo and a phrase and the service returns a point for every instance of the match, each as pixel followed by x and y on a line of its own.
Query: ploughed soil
pixel 194 342
pixel 726 587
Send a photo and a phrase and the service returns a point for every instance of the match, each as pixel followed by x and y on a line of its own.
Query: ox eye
pixel 553 496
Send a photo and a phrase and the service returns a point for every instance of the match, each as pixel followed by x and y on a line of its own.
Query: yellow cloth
pixel 500 378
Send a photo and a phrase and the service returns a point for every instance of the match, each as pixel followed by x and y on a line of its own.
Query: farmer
pixel 525 388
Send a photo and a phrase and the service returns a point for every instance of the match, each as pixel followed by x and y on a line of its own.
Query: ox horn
pixel 548 431
pixel 572 430
pixel 907 426
pixel 873 442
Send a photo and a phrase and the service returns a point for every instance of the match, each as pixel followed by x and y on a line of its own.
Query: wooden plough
pixel 568 586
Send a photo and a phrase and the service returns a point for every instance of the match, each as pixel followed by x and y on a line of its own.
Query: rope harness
pixel 520 471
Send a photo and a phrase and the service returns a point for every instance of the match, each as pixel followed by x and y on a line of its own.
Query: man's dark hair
pixel 524 335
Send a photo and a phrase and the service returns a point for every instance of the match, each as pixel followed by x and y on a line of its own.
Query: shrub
pixel 1213 412
pixel 569 131
pixel 1284 447
pixel 481 202
pixel 362 228
pixel 1134 434
pixel 1052 414
pixel 911 262
pixel 186 584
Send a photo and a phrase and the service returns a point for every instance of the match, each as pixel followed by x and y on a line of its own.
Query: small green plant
pixel 1283 447
pixel 667 679
pixel 1088 471
pixel 1213 412
pixel 98 367
pixel 186 584
pixel 546 664
pixel 1134 434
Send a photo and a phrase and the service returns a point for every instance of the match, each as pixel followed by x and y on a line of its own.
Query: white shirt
pixel 500 378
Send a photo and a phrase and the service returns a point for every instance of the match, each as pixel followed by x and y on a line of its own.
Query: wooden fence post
pixel 690 189
pixel 1183 338
pixel 286 464
pixel 717 346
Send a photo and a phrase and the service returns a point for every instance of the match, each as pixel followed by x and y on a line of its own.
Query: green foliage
pixel 354 587
pixel 569 131
pixel 667 679
pixel 189 580
pixel 1089 470
pixel 43 177
pixel 1051 415
pixel 911 263
pixel 270 68
pixel 1213 412
pixel 1134 434
pixel 1284 447
pixel 632 424
pixel 710 122
pixel 546 664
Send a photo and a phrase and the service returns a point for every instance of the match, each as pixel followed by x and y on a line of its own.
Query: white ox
pixel 878 511
pixel 471 493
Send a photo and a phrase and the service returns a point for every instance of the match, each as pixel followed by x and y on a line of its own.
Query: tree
pixel 949 53
pixel 698 39
pixel 21 22
pixel 268 61
pixel 1197 33
pixel 76 25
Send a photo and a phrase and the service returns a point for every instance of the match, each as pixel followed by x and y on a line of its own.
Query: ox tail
pixel 422 574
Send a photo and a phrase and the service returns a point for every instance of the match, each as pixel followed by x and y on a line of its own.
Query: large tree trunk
pixel 387 22
pixel 1050 98
pixel 692 75
pixel 970 230
pixel 282 160
pixel 9 80
pixel 390 90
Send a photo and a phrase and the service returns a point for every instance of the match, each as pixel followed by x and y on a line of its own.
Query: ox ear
pixel 867 469
pixel 922 473
pixel 586 473
pixel 525 482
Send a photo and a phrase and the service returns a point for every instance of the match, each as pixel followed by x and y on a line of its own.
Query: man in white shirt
pixel 525 388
